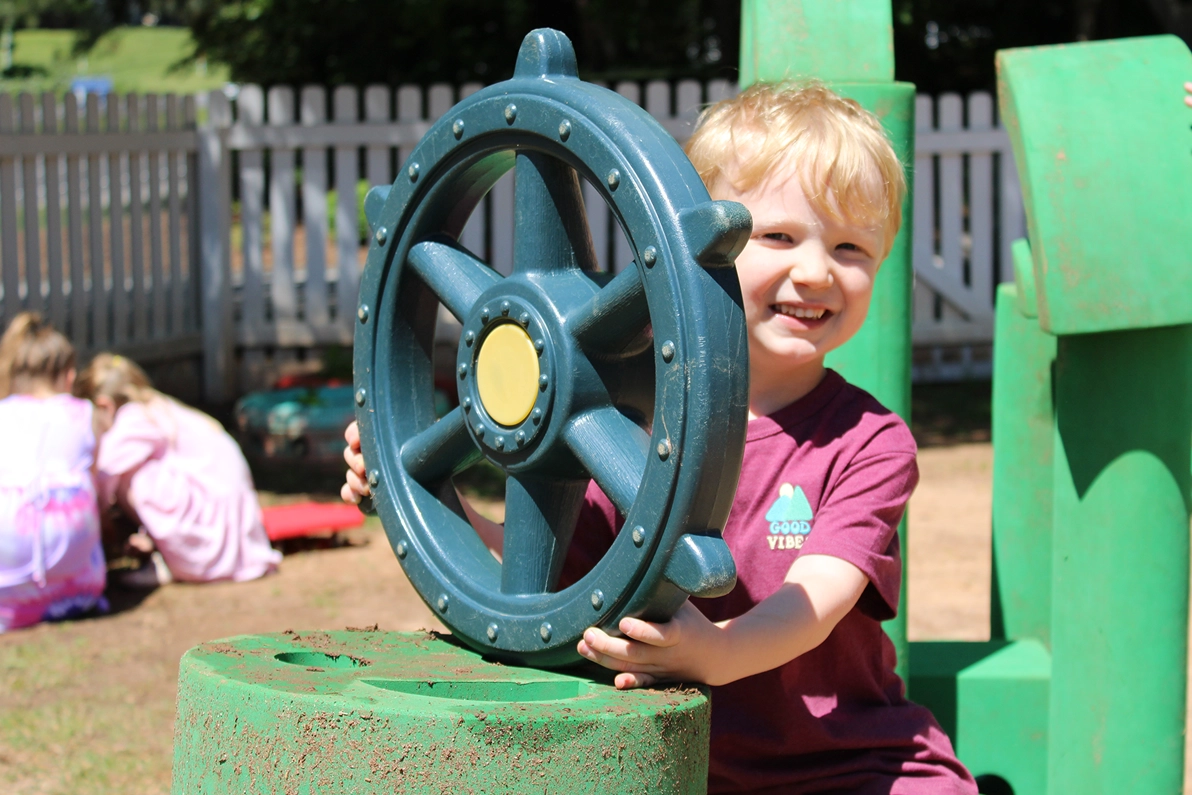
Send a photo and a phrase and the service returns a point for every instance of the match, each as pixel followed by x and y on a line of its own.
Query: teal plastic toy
pixel 565 374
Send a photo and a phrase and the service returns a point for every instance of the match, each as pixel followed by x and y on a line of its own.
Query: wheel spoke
pixel 540 516
pixel 452 273
pixel 613 450
pixel 549 218
pixel 630 383
pixel 614 321
pixel 439 451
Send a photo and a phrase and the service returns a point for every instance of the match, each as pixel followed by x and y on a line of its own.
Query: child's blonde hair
pixel 845 164
pixel 32 351
pixel 116 377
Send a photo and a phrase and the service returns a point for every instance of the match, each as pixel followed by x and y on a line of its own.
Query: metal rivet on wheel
pixel 544 631
pixel 614 179
pixel 458 129
pixel 382 235
pixel 539 345
pixel 536 416
pixel 639 535
pixel 668 351
pixel 650 256
pixel 374 478
pixel 469 338
pixel 360 394
pixel 519 438
pixel 480 431
pixel 499 442
pixel 564 130
pixel 402 549
pixel 492 631
pixel 442 603
pixel 543 381
pixel 463 371
pixel 412 172
pixel 362 313
pixel 485 314
pixel 524 318
pixel 466 403
pixel 505 308
pixel 664 449
pixel 510 113
pixel 597 599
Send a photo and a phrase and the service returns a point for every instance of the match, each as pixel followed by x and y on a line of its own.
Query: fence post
pixel 215 223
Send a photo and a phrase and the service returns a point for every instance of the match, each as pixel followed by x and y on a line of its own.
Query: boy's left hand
pixel 1188 99
pixel 682 649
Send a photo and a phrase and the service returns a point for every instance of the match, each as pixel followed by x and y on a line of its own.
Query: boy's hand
pixel 1188 99
pixel 356 486
pixel 683 649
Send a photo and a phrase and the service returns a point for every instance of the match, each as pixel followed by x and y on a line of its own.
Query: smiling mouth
pixel 802 313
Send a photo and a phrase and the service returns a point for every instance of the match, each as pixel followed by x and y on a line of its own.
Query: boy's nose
pixel 812 268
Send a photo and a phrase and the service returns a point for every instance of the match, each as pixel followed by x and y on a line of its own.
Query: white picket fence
pixel 228 255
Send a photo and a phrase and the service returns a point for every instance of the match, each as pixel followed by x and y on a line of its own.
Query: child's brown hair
pixel 32 352
pixel 846 166
pixel 116 377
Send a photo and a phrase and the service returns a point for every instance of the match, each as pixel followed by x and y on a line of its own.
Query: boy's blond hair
pixel 32 351
pixel 845 164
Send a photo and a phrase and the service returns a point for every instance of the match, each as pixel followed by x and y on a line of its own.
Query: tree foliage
pixel 940 45
pixel 422 41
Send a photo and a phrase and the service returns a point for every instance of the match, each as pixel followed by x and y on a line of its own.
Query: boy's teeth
pixel 799 312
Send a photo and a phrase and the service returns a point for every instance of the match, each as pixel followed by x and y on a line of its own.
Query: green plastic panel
pixel 383 712
pixel 1024 278
pixel 1103 144
pixel 1023 355
pixel 1120 561
pixel 1002 716
pixel 833 41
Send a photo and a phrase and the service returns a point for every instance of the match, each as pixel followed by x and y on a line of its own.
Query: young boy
pixel 804 694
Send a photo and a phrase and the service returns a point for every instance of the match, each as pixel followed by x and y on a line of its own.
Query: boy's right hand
pixel 356 486
pixel 1188 99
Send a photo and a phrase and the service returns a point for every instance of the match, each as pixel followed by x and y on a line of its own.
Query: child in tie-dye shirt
pixel 51 560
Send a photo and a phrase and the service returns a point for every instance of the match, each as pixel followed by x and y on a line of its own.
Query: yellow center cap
pixel 507 374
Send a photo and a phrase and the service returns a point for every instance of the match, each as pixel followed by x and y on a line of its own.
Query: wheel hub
pixel 507 374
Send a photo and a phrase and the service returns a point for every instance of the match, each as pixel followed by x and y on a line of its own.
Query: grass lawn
pixel 135 58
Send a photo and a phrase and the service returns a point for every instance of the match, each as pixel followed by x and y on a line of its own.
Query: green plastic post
pixel 1120 565
pixel 850 46
pixel 383 712
pixel 1022 421
pixel 1123 398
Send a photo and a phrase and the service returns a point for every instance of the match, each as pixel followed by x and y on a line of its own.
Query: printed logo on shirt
pixel 790 518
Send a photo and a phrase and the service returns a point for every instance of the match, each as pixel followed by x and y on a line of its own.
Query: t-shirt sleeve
pixel 595 530
pixel 858 519
pixel 132 440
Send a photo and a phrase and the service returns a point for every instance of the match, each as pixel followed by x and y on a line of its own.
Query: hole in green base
pixel 316 659
pixel 483 691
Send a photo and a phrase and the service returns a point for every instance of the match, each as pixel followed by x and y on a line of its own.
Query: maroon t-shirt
pixel 829 474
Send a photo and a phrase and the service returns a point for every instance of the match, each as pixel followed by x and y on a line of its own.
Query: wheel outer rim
pixel 406 508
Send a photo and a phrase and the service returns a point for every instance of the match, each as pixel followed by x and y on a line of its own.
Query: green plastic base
pixel 992 700
pixel 365 712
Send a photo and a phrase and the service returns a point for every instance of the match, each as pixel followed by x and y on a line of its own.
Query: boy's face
pixel 806 280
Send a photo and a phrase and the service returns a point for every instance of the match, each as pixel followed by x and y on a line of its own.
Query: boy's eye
pixel 781 237
pixel 849 247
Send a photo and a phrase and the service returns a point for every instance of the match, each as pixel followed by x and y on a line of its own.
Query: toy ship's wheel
pixel 637 381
